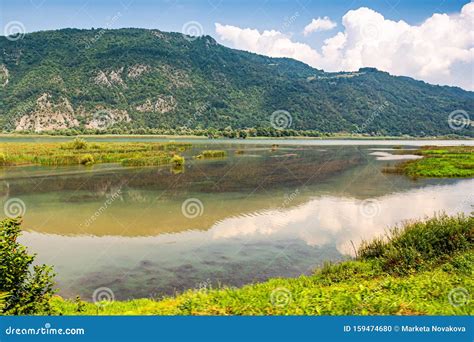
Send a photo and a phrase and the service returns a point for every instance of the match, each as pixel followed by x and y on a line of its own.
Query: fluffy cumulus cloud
pixel 320 24
pixel 271 43
pixel 440 50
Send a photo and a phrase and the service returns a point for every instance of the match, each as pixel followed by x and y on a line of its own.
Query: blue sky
pixel 170 15
pixel 402 37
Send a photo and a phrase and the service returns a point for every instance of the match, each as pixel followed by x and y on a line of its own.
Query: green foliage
pixel 147 161
pixel 177 161
pixel 81 307
pixel 80 152
pixel 208 154
pixel 3 159
pixel 213 88
pixel 3 299
pixel 451 161
pixel 419 244
pixel 86 159
pixel 29 287
pixel 78 144
pixel 439 252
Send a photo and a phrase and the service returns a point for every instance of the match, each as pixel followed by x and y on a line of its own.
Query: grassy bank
pixel 421 268
pixel 79 151
pixel 448 161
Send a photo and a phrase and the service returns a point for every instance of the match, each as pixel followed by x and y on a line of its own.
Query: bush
pixel 79 144
pixel 86 159
pixel 76 144
pixel 177 160
pixel 29 288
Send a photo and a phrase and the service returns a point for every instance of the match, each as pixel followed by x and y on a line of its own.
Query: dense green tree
pixel 28 288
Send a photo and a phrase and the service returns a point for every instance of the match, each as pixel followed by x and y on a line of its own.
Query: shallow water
pixel 147 232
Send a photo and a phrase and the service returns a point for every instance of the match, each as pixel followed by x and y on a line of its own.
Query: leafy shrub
pixel 29 288
pixel 76 144
pixel 177 160
pixel 79 144
pixel 86 159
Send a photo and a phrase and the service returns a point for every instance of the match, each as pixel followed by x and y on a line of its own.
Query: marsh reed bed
pixel 446 161
pixel 80 152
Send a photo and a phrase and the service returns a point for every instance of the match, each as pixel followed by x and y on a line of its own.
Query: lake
pixel 261 212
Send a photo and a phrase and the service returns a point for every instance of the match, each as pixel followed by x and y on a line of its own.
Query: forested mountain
pixel 135 78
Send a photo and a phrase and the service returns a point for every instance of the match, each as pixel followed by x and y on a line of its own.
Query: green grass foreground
pixel 423 268
pixel 449 161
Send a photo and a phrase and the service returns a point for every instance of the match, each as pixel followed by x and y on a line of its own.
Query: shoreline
pixel 165 136
pixel 378 276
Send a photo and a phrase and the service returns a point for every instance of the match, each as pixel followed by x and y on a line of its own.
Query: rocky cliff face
pixel 49 115
pixel 3 76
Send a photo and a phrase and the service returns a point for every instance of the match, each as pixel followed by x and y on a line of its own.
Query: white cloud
pixel 440 50
pixel 320 24
pixel 270 43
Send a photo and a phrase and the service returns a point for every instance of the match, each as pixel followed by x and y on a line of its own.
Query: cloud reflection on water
pixel 339 220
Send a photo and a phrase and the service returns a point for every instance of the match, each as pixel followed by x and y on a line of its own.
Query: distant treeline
pixel 212 133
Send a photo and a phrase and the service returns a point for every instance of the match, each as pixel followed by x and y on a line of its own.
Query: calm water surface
pixel 147 232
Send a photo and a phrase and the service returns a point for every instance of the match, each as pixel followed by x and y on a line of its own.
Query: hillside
pixel 134 78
